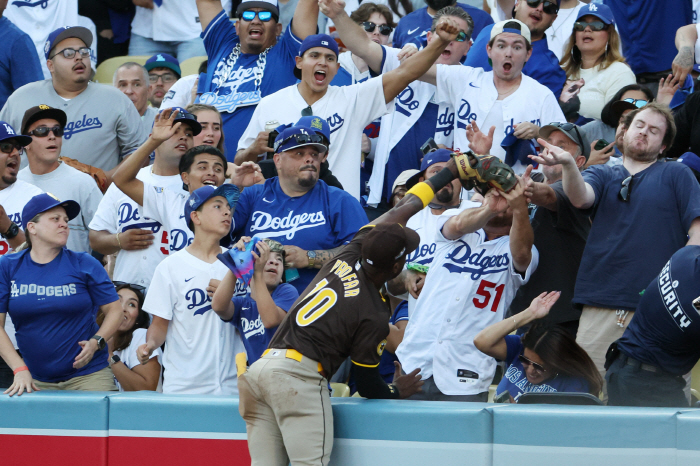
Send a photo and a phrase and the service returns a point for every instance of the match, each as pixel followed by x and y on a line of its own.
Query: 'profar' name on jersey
pixel 351 283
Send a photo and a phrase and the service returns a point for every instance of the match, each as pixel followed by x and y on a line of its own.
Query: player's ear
pixel 49 65
pixel 298 61
pixel 278 30
pixel 185 178
pixel 276 160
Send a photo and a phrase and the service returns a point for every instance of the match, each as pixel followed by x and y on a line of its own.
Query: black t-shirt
pixel 687 119
pixel 560 238
pixel 340 314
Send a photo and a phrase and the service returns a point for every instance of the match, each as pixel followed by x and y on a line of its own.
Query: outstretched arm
pixel 305 18
pixel 521 235
pixel 471 220
pixel 207 10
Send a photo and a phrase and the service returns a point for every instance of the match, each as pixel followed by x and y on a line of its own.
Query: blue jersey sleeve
pixel 597 176
pixel 244 207
pixel 289 42
pixel 97 281
pixel 5 285
pixel 347 214
pixel 284 296
pixel 401 312
pixel 219 36
pixel 25 66
pixel 515 347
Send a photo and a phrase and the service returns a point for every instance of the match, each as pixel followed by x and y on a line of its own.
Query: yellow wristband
pixel 422 191
pixel 119 242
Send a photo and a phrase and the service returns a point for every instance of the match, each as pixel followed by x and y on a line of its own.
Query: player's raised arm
pixel 521 235
pixel 471 220
pixel 416 66
pixel 207 10
pixel 305 18
pixel 352 35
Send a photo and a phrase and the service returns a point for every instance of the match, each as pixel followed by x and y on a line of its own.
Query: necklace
pixel 259 66
pixel 563 22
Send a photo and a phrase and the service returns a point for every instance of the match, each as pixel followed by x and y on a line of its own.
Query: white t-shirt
pixel 560 31
pixel 12 199
pixel 470 285
pixel 347 109
pixel 180 94
pixel 167 206
pixel 173 20
pixel 67 183
pixel 118 212
pixel 200 348
pixel 129 358
pixel 601 86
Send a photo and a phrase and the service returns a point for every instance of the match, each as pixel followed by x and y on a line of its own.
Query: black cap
pixel 40 112
pixel 387 243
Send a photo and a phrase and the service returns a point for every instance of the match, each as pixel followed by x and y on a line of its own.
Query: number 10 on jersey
pixel 485 292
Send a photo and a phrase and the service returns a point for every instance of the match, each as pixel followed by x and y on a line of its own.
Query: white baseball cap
pixel 511 25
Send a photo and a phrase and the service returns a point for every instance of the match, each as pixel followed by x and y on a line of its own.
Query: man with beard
pixel 446 203
pixel 483 255
pixel 543 65
pixel 645 210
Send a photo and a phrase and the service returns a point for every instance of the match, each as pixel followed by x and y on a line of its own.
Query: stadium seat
pixel 105 70
pixel 560 398
pixel 340 390
pixel 191 65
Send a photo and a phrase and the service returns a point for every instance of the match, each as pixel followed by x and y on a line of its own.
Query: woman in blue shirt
pixel 545 359
pixel 53 295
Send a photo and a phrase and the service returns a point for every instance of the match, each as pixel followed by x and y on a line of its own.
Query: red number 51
pixel 484 292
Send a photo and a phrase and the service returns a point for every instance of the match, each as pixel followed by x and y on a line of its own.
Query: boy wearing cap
pixel 199 355
pixel 45 126
pixel 246 61
pixel 163 71
pixel 257 315
pixel 348 109
pixel 102 124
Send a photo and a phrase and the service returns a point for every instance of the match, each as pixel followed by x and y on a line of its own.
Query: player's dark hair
pixel 188 159
pixel 562 355
pixel 203 67
pixel 456 12
pixel 122 340
pixel 609 117
pixel 367 9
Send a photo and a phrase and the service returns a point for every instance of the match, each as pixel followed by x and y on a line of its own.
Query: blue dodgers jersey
pixel 515 380
pixel 53 307
pixel 542 66
pixel 231 87
pixel 324 218
pixel 20 62
pixel 386 363
pixel 647 52
pixel 418 24
pixel 246 319
pixel 665 330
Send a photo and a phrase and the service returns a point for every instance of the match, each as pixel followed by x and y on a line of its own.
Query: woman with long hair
pixel 129 373
pixel 210 119
pixel 546 359
pixel 53 295
pixel 593 55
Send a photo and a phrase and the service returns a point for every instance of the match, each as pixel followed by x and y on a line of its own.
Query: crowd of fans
pixel 117 202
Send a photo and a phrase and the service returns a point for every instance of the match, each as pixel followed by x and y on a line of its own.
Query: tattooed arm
pixel 298 258
pixel 686 37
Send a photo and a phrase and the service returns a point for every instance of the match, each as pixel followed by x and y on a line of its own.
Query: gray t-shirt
pixel 67 183
pixel 148 118
pixel 103 124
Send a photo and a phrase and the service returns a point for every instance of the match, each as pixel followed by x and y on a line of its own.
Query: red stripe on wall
pixel 43 450
pixel 145 451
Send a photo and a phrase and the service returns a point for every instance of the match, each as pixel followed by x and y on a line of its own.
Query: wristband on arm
pixel 20 369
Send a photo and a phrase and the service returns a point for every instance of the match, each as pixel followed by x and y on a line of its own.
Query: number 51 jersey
pixel 470 285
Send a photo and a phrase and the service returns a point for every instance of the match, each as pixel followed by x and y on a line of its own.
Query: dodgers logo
pixel 179 239
pixel 465 114
pixel 20 3
pixel 446 122
pixel 8 129
pixel 228 93
pixel 423 254
pixel 252 327
pixel 406 99
pixel 198 299
pixel 268 226
pixel 86 124
pixel 477 264
pixel 511 127
pixel 335 121
pixel 130 214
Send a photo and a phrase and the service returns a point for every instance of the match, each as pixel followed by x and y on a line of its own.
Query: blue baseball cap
pixel 203 194
pixel 431 158
pixel 8 132
pixel 316 40
pixel 163 60
pixel 47 201
pixel 318 124
pixel 66 32
pixel 185 117
pixel 691 160
pixel 599 10
pixel 298 136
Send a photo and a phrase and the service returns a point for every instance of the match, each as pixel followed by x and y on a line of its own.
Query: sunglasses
pixel 300 139
pixel 626 189
pixel 43 131
pixel 264 16
pixel 139 288
pixel 639 103
pixel 526 362
pixel 307 112
pixel 594 25
pixel 166 77
pixel 696 303
pixel 70 53
pixel 569 127
pixel 550 8
pixel 8 147
pixel 462 36
pixel 384 29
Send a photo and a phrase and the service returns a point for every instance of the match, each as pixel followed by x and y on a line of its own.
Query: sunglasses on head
pixel 696 303
pixel 70 53
pixel 8 147
pixel 639 103
pixel 594 25
pixel 384 29
pixel 626 189
pixel 569 127
pixel 43 131
pixel 300 139
pixel 139 288
pixel 526 362
pixel 249 15
pixel 550 8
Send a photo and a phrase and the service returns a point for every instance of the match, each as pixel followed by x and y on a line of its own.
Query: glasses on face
pixel 639 103
pixel 536 367
pixel 301 139
pixel 594 25
pixel 249 15
pixel 626 189
pixel 384 29
pixel 569 127
pixel 70 53
pixel 462 36
pixel 550 8
pixel 43 131
pixel 7 147
pixel 166 77
pixel 139 288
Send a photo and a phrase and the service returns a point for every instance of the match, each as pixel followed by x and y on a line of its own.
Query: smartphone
pixel 601 144
pixel 271 142
pixel 429 146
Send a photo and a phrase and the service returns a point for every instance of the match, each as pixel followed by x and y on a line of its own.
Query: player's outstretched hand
pixel 479 142
pixel 331 8
pixel 447 28
pixel 164 126
pixel 407 384
pixel 135 239
pixel 414 282
pixel 516 196
pixel 528 183
pixel 23 381
pixel 552 155
pixel 495 202
pixel 540 306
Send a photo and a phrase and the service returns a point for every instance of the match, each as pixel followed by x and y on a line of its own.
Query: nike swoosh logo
pixel 182 216
pixel 245 308
pixel 188 279
pixel 472 85
pixel 414 30
pixel 269 202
